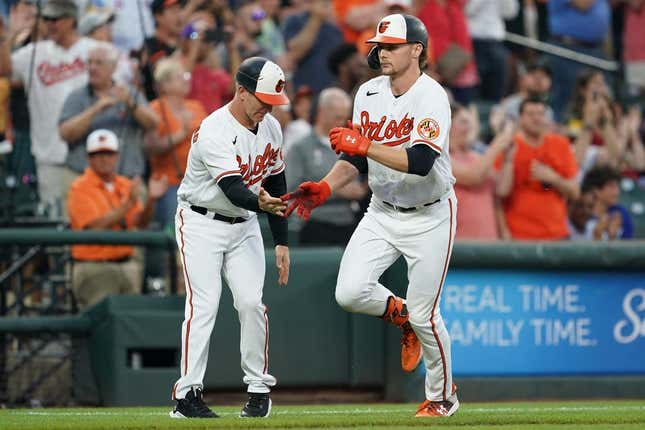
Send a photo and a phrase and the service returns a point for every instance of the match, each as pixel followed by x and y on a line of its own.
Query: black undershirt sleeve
pixel 357 161
pixel 234 188
pixel 276 186
pixel 421 159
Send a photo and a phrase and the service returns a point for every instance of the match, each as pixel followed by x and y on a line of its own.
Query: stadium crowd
pixel 540 144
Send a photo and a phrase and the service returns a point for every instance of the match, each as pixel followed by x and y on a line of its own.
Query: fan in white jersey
pixel 399 136
pixel 234 166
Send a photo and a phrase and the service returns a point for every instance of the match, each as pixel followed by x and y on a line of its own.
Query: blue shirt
pixel 312 69
pixel 590 26
pixel 627 229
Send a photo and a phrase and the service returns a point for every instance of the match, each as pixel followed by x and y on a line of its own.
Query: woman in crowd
pixel 168 146
pixel 476 178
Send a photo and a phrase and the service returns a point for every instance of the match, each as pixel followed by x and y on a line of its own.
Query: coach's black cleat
pixel 258 406
pixel 192 406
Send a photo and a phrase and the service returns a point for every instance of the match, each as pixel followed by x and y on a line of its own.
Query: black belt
pixel 568 40
pixel 114 260
pixel 412 209
pixel 231 220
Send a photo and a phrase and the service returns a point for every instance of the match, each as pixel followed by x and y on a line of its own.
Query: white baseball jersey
pixel 56 73
pixel 420 116
pixel 223 147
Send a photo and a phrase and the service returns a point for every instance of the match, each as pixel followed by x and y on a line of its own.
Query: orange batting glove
pixel 349 141
pixel 306 198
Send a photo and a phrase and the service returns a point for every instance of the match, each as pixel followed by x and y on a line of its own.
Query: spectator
pixel 451 47
pixel 542 176
pixel 311 36
pixel 634 46
pixel 535 81
pixel 170 143
pixel 349 67
pixel 310 159
pixel 300 126
pixel 133 21
pixel 612 220
pixel 98 26
pixel 104 104
pixel 580 213
pixel 487 29
pixel 102 200
pixel 355 16
pixel 633 159
pixel 579 25
pixel 21 25
pixel 271 36
pixel 59 66
pixel 592 123
pixel 168 26
pixel 211 84
pixel 248 28
pixel 476 178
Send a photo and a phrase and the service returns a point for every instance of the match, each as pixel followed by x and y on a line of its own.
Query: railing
pixel 569 54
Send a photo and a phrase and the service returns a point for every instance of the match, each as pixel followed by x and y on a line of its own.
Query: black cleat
pixel 258 406
pixel 192 406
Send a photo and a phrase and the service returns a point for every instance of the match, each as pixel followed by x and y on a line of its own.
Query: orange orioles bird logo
pixel 279 86
pixel 383 26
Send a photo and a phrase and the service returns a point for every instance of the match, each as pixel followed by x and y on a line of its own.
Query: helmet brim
pixel 273 99
pixel 386 39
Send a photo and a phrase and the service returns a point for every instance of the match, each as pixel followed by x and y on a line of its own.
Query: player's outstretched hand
pixel 282 262
pixel 272 205
pixel 349 141
pixel 307 197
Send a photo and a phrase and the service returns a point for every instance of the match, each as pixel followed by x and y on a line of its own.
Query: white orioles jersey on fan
pixel 420 116
pixel 223 147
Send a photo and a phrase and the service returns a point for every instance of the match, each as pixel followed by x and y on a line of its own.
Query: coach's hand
pixel 349 141
pixel 306 198
pixel 272 205
pixel 282 262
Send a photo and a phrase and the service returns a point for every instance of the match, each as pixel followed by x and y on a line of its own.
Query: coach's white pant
pixel 425 239
pixel 210 249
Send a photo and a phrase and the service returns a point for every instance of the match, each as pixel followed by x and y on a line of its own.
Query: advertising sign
pixel 545 323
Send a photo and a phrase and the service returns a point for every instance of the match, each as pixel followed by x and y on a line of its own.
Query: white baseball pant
pixel 209 249
pixel 425 238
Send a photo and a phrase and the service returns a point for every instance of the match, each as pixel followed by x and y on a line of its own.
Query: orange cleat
pixel 444 408
pixel 410 348
pixel 396 313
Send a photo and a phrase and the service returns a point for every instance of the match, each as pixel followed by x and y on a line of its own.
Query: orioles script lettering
pixel 379 131
pixel 254 172
pixel 51 74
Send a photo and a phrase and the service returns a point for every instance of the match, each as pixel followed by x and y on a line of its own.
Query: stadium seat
pixel 632 196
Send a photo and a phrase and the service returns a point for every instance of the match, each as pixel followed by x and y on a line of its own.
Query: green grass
pixel 588 415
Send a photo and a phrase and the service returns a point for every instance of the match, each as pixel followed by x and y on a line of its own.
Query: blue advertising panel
pixel 545 323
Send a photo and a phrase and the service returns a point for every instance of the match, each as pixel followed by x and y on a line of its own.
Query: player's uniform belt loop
pixel 412 209
pixel 203 211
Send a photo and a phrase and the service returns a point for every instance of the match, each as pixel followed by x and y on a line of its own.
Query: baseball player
pixel 235 165
pixel 399 136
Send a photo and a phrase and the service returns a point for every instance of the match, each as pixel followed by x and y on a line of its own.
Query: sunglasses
pixel 52 19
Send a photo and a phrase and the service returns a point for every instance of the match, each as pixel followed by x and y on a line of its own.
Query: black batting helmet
pixel 263 78
pixel 397 28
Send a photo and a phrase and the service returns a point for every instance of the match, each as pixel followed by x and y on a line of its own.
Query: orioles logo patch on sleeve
pixel 428 128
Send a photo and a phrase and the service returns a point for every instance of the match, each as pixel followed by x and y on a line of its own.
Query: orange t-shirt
pixel 533 211
pixel 172 164
pixel 341 7
pixel 90 199
pixel 5 90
